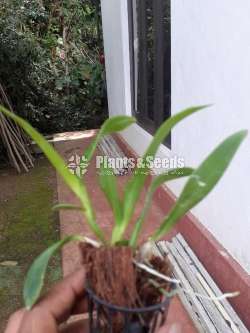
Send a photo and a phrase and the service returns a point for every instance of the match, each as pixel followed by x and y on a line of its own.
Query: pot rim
pixel 117 308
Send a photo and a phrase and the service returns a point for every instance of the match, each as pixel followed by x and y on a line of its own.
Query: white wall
pixel 210 64
pixel 116 41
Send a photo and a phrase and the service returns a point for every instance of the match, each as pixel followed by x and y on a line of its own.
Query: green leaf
pixel 66 206
pixel 135 185
pixel 157 182
pixel 202 180
pixel 123 242
pixel 116 124
pixel 111 125
pixel 75 184
pixel 108 185
pixel 35 277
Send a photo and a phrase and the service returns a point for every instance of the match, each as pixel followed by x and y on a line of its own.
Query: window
pixel 151 62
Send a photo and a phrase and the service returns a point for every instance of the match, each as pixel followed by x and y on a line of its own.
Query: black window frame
pixel 161 67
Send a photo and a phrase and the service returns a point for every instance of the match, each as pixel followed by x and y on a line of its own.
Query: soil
pixel 113 277
pixel 27 227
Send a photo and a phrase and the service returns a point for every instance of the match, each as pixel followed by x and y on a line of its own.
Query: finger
pixel 76 327
pixel 62 298
pixel 38 320
pixel 15 321
pixel 80 307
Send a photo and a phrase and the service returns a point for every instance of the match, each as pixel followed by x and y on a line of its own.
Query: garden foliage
pixel 51 62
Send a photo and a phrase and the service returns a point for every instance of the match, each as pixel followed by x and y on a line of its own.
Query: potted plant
pixel 125 279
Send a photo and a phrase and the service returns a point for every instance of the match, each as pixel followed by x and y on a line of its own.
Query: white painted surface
pixel 116 41
pixel 210 64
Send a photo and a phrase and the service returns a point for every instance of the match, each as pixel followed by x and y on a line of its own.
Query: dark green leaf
pixel 35 277
pixel 202 180
pixel 123 242
pixel 135 185
pixel 108 185
pixel 157 182
pixel 111 125
pixel 67 206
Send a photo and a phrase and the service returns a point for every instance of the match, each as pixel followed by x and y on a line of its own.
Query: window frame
pixel 140 105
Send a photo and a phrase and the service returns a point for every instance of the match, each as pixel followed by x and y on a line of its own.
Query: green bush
pixel 49 63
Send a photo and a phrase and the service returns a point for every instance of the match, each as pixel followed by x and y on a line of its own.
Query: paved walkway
pixel 73 223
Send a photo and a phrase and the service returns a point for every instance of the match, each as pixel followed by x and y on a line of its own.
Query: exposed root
pixel 148 293
pixel 114 278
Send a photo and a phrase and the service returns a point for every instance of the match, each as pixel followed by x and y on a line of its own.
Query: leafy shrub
pixel 49 63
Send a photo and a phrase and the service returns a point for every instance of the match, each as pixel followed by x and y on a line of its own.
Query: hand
pixel 66 298
pixel 63 300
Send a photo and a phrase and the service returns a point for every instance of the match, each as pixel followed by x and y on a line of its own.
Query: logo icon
pixel 78 165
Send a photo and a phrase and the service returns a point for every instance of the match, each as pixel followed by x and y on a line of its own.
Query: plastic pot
pixel 132 317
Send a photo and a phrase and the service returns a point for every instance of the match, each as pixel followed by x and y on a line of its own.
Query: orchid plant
pixel 199 183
